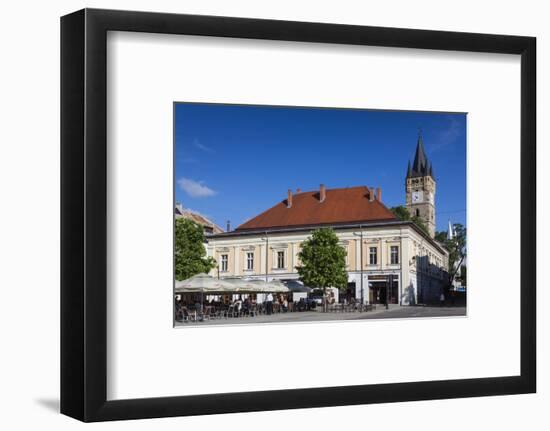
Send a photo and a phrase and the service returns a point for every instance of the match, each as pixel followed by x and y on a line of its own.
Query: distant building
pixel 386 257
pixel 209 226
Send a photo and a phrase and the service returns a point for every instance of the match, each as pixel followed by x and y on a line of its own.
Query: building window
pixel 249 261
pixel 280 259
pixel 394 255
pixel 417 212
pixel 373 257
pixel 223 263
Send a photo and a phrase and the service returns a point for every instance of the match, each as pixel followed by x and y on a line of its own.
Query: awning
pixel 296 286
pixel 273 286
pixel 204 283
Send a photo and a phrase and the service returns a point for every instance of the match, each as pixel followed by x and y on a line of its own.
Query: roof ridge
pixel 349 204
pixel 333 189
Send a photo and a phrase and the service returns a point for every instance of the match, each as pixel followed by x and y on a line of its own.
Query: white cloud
pixel 202 147
pixel 448 136
pixel 195 189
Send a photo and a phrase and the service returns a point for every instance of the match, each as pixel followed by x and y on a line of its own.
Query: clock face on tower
pixel 417 196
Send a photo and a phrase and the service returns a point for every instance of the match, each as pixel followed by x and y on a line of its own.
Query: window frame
pixel 278 255
pixel 373 251
pixel 250 261
pixel 396 247
pixel 224 259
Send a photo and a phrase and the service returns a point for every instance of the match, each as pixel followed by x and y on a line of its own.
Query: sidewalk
pixel 395 311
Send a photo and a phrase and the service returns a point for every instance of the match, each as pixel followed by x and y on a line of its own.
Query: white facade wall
pixel 419 271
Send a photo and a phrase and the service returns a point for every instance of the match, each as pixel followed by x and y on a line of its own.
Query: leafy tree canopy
pixel 463 275
pixel 190 253
pixel 456 248
pixel 402 213
pixel 323 261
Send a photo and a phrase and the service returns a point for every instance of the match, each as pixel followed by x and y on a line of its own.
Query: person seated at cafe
pixel 178 311
pixel 290 305
pixel 238 304
pixel 284 305
pixel 246 305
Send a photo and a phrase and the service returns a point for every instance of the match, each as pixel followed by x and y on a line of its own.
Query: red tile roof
pixel 347 205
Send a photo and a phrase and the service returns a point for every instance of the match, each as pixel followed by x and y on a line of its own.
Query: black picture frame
pixel 84 214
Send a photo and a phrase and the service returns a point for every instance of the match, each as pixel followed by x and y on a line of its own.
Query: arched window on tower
pixel 417 212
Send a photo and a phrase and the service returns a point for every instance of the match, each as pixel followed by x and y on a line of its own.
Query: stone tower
pixel 420 188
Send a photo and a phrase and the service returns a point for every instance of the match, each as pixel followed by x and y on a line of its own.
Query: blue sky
pixel 233 162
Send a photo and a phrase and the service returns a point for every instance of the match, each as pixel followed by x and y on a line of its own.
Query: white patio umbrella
pixel 242 286
pixel 203 283
pixel 274 286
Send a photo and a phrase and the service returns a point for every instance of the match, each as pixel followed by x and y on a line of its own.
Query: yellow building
pixel 386 257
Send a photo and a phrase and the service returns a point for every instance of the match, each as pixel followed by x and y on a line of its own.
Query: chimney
pixel 228 226
pixel 298 190
pixel 371 194
pixel 322 193
pixel 289 199
pixel 379 194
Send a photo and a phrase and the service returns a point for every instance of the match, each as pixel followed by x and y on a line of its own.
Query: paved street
pixel 396 312
pixel 405 312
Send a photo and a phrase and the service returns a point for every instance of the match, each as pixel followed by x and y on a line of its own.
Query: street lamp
pixel 266 239
pixel 361 253
pixel 390 278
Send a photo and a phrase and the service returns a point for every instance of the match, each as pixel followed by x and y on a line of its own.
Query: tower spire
pixel 450 231
pixel 420 165
pixel 420 186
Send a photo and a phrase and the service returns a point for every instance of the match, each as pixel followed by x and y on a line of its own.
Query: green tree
pixel 402 213
pixel 441 237
pixel 457 250
pixel 463 275
pixel 190 253
pixel 323 261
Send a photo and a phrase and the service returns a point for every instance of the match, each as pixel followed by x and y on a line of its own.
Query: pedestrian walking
pixel 442 299
pixel 269 304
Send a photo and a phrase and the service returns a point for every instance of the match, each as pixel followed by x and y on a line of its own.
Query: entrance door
pixel 394 291
pixel 377 292
pixel 380 290
pixel 350 292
